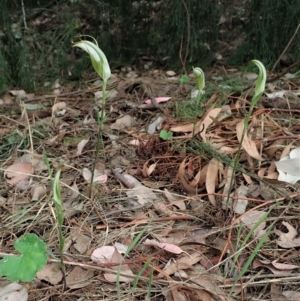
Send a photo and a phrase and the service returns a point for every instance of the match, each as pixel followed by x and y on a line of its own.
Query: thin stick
pixel 188 21
pixel 286 48
pixel 24 14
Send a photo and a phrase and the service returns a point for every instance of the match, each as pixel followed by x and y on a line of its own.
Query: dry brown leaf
pixel 276 294
pixel 37 192
pixel 13 292
pixel 118 161
pixel 286 150
pixel 35 159
pixel 240 204
pixel 190 187
pixel 291 295
pixel 248 145
pixel 272 149
pixel 110 255
pixel 250 218
pixel 247 179
pixel 82 241
pixel 185 128
pixel 123 122
pixel 182 263
pixel 178 295
pixel 143 194
pixel 209 282
pixel 79 278
pixel 226 203
pixel 56 139
pixel 70 193
pixel 51 273
pixel 204 296
pixel 117 258
pixel 155 125
pixel 211 179
pixel 18 172
pixel 272 168
pixel 99 177
pixel 81 145
pixel 147 171
pixel 275 267
pixel 226 150
pixel 288 240
pixel 261 172
pixel 202 126
pixel 175 199
pixel 165 246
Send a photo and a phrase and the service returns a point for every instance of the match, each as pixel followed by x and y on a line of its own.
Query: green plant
pixel 165 135
pixel 57 200
pixel 260 243
pixel 184 79
pixel 147 263
pixel 200 84
pixel 25 266
pixel 101 66
pixel 259 90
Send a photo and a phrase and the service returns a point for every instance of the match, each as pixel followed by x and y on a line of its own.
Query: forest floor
pixel 181 207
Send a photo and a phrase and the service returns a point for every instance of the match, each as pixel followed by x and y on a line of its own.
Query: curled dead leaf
pixel 288 240
pixel 165 246
pixel 81 146
pixel 37 192
pixel 185 262
pixel 148 170
pixel 248 145
pixel 202 126
pixel 211 180
pixel 183 177
pixel 51 273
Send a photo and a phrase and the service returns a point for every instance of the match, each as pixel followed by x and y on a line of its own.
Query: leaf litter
pixel 196 213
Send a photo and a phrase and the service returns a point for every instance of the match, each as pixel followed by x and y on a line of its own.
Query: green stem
pixel 61 253
pixel 100 121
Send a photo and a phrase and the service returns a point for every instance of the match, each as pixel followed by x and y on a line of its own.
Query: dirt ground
pixel 184 204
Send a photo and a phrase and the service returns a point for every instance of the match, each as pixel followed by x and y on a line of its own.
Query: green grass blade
pixel 131 246
pixel 250 259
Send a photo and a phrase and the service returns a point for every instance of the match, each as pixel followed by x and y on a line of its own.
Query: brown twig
pixel 188 22
pixel 286 48
pixel 285 71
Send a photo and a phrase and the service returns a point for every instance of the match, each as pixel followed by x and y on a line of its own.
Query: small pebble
pixel 170 73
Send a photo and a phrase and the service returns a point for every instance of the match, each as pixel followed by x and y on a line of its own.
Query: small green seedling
pixel 184 79
pixel 57 200
pixel 165 135
pixel 25 266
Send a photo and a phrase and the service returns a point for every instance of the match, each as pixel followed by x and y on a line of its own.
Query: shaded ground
pixel 180 192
